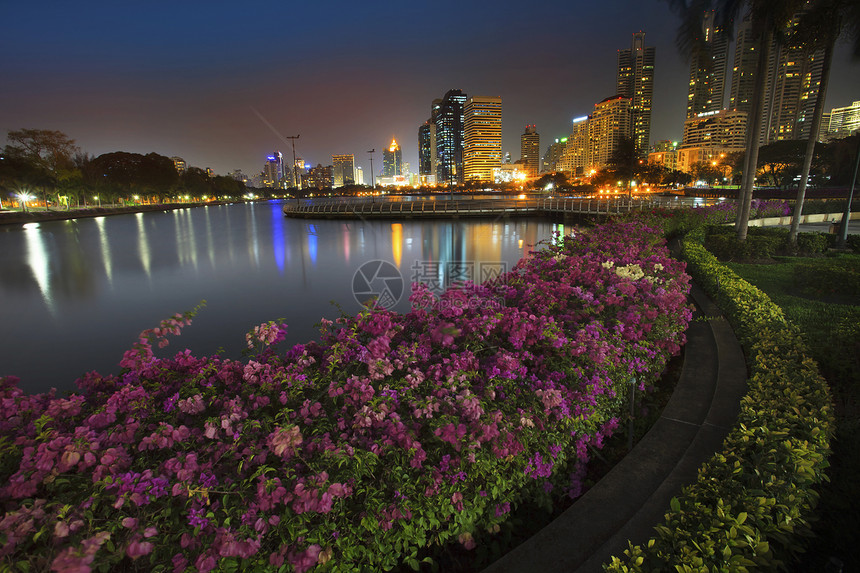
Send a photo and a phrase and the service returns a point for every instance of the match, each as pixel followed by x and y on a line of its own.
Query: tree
pixel 48 152
pixel 769 20
pixel 820 26
pixel 149 174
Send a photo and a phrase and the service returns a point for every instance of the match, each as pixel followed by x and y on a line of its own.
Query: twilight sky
pixel 218 83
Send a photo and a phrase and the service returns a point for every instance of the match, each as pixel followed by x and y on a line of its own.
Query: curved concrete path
pixel 633 497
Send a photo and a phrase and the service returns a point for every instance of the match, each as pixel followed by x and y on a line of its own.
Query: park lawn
pixel 829 317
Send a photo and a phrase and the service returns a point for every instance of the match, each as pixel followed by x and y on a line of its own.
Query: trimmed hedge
pixel 752 500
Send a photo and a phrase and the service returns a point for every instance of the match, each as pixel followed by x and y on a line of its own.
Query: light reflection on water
pixel 75 294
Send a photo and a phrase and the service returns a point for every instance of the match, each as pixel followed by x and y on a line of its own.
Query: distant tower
pixel 482 150
pixel 392 160
pixel 743 70
pixel 449 137
pixel 273 171
pixel 343 170
pixel 530 150
pixel 708 69
pixel 427 150
pixel 636 82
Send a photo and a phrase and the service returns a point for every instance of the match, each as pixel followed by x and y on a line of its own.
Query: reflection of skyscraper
pixel 392 160
pixel 449 137
pixel 482 149
pixel 343 170
pixel 708 69
pixel 530 150
pixel 636 82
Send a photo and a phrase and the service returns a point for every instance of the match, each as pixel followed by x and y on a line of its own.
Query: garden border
pixel 632 498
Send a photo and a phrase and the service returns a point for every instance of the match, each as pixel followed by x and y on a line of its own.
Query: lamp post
pixel 24 197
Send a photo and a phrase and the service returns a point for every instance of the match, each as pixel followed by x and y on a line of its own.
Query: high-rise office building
pixel 793 77
pixel 844 121
pixel 343 170
pixel 553 155
pixel 530 150
pixel 392 160
pixel 593 139
pixel 708 66
pixel 273 170
pixel 359 175
pixel 711 136
pixel 792 89
pixel 743 70
pixel 482 126
pixel 449 137
pixel 427 150
pixel 635 81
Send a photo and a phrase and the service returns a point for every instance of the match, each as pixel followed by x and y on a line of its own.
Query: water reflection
pixel 86 288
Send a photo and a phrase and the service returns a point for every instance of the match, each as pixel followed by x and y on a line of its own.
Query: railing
pixel 429 207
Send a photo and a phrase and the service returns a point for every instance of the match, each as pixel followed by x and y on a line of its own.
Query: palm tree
pixel 820 26
pixel 769 20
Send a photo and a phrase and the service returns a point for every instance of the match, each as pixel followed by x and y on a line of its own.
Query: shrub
pixel 752 499
pixel 394 434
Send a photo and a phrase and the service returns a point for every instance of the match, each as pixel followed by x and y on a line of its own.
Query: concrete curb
pixel 626 505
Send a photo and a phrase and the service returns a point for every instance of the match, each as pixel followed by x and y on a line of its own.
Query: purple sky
pixel 218 82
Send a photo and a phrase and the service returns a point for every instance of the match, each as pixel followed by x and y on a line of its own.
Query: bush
pixel 751 500
pixel 727 247
pixel 394 435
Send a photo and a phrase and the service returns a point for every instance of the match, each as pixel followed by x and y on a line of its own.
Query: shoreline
pixel 17 217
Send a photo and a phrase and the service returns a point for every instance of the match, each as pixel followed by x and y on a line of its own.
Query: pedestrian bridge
pixel 397 207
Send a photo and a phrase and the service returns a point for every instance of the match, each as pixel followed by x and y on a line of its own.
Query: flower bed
pixel 752 500
pixel 393 434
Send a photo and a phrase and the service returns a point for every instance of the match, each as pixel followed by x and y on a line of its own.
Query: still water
pixel 74 295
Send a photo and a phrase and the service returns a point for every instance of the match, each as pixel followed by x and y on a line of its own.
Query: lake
pixel 74 295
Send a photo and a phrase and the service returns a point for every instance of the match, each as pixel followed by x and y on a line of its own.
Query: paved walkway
pixel 633 497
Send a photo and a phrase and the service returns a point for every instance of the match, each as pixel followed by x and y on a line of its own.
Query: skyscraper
pixel 343 170
pixel 553 155
pixel 392 160
pixel 708 66
pixel 482 150
pixel 530 150
pixel 743 70
pixel 449 137
pixel 844 120
pixel 273 170
pixel 792 89
pixel 427 151
pixel 635 81
pixel 593 139
pixel 791 86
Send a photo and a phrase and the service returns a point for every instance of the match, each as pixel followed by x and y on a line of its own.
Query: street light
pixel 24 197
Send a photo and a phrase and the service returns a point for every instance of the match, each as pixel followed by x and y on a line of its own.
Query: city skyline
pixel 208 83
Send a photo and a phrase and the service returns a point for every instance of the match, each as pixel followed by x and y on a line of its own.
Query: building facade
pixel 450 136
pixel 392 160
pixel 273 170
pixel 708 68
pixel 530 150
pixel 594 139
pixel 343 170
pixel 710 137
pixel 552 156
pixel 482 127
pixel 635 81
pixel 844 121
pixel 427 151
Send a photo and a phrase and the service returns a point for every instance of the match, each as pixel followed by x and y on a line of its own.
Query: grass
pixel 829 316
